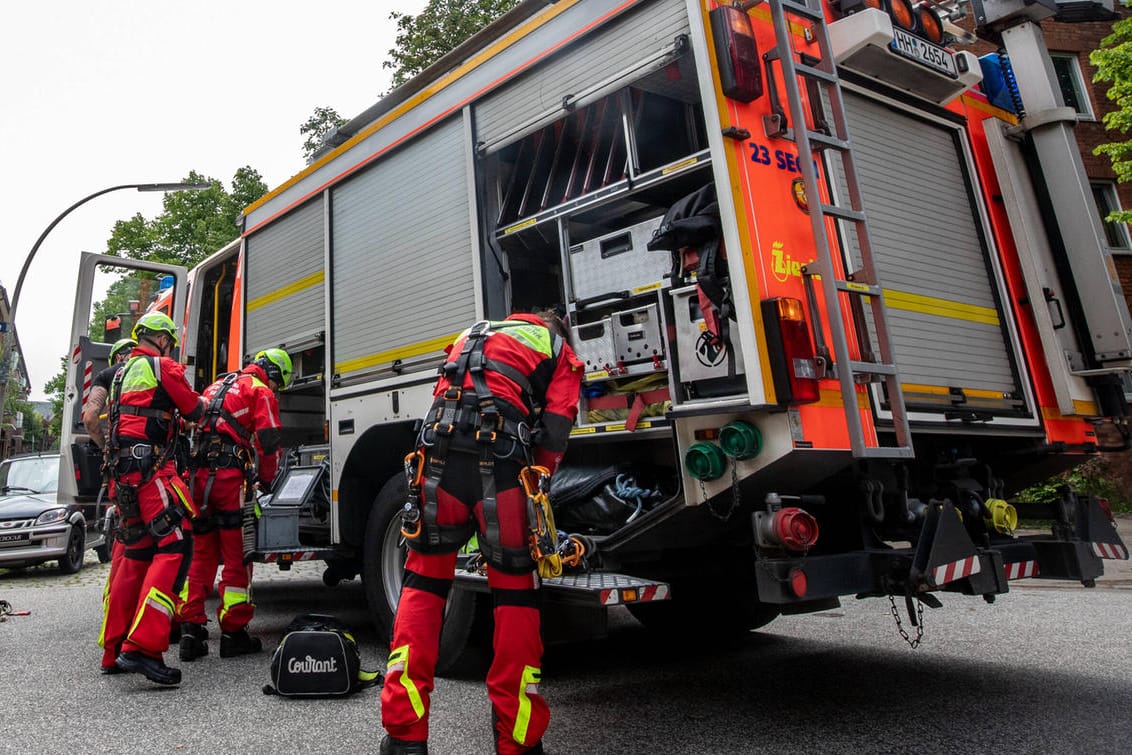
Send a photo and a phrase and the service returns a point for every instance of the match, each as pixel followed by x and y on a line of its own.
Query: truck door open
pixel 112 292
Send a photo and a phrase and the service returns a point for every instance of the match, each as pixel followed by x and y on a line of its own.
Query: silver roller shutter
pixel 931 258
pixel 403 268
pixel 626 48
pixel 285 279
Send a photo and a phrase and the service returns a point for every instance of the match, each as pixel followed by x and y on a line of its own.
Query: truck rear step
pixel 588 589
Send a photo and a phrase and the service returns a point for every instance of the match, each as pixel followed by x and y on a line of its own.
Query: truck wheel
pixel 382 573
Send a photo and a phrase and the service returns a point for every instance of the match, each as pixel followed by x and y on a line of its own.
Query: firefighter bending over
pixel 147 400
pixel 240 424
pixel 507 392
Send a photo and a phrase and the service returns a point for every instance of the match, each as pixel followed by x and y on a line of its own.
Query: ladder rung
pixel 872 368
pixel 801 9
pixel 844 213
pixel 815 73
pixel 828 141
pixel 889 452
pixel 864 289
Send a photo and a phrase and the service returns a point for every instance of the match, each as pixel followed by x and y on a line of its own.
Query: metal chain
pixel 900 625
pixel 725 515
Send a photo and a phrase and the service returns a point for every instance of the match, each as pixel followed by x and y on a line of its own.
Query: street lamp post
pixel 10 332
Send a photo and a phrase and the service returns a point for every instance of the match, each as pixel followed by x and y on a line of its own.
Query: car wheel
pixel 71 561
pixel 382 575
pixel 103 552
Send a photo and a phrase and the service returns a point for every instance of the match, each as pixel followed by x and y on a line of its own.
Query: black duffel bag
pixel 318 657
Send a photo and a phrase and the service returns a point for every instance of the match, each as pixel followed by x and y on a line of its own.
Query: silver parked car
pixel 35 527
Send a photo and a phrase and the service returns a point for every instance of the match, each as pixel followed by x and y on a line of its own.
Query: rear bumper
pixel 988 571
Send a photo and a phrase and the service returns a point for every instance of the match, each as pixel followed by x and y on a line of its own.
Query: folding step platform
pixel 592 589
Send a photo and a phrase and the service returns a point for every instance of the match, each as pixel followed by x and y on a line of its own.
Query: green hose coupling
pixel 740 440
pixel 705 461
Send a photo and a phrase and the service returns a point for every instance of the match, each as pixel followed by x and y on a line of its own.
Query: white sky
pixel 95 93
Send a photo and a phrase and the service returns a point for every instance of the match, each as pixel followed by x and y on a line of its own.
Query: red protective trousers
pixel 223 542
pixel 113 626
pixel 151 573
pixel 521 714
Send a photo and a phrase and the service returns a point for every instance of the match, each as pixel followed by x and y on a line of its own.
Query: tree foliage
pixel 1113 60
pixel 322 121
pixel 438 29
pixel 191 226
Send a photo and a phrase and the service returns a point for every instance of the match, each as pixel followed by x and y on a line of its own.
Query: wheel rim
pixel 393 552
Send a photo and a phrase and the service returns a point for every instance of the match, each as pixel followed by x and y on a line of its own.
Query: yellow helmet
pixel 155 322
pixel 277 364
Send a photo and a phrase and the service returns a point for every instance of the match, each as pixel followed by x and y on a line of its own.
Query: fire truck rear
pixel 835 310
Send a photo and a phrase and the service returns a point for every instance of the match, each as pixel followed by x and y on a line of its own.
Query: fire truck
pixel 839 285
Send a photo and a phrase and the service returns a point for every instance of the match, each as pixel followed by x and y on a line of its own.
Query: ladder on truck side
pixel 861 285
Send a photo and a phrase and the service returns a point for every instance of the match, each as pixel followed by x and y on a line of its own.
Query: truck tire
pixel 382 566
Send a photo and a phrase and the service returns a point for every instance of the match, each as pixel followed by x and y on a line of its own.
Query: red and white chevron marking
pixel 1021 569
pixel 645 594
pixel 88 379
pixel 964 567
pixel 1110 550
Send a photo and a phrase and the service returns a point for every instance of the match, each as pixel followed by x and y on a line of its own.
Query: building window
pixel 1116 234
pixel 1072 83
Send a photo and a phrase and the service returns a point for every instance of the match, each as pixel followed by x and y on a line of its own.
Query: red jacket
pixel 555 382
pixel 155 385
pixel 251 403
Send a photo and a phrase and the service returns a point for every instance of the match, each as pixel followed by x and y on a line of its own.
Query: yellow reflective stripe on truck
pixel 291 288
pixel 930 305
pixel 435 345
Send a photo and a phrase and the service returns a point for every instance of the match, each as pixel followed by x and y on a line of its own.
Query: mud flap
pixel 1098 530
pixel 945 553
pixel 1081 559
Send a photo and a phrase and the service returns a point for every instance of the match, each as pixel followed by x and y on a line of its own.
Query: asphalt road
pixel 1043 670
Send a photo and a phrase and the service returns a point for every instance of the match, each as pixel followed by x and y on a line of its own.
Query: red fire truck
pixel 834 309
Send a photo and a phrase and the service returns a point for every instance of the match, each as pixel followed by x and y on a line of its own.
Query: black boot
pixel 193 641
pixel 393 746
pixel 238 643
pixel 153 669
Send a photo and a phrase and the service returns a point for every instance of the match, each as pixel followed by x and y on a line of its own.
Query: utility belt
pixel 137 457
pixel 458 423
pixel 220 455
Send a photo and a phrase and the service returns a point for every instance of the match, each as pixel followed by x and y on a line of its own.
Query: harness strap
pixel 145 411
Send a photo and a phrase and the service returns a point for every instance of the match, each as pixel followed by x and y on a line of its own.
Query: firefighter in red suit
pixel 240 423
pixel 507 392
pixel 153 501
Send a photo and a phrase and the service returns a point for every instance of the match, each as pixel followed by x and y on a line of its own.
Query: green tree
pixel 191 225
pixel 322 121
pixel 55 389
pixel 438 29
pixel 1113 60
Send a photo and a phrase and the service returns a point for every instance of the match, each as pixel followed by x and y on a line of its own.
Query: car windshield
pixel 35 473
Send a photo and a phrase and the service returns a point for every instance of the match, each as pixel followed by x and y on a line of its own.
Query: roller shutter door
pixel 403 268
pixel 931 256
pixel 285 279
pixel 583 68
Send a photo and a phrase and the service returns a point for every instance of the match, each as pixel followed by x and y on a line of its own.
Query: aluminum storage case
pixel 636 335
pixel 618 262
pixel 593 343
